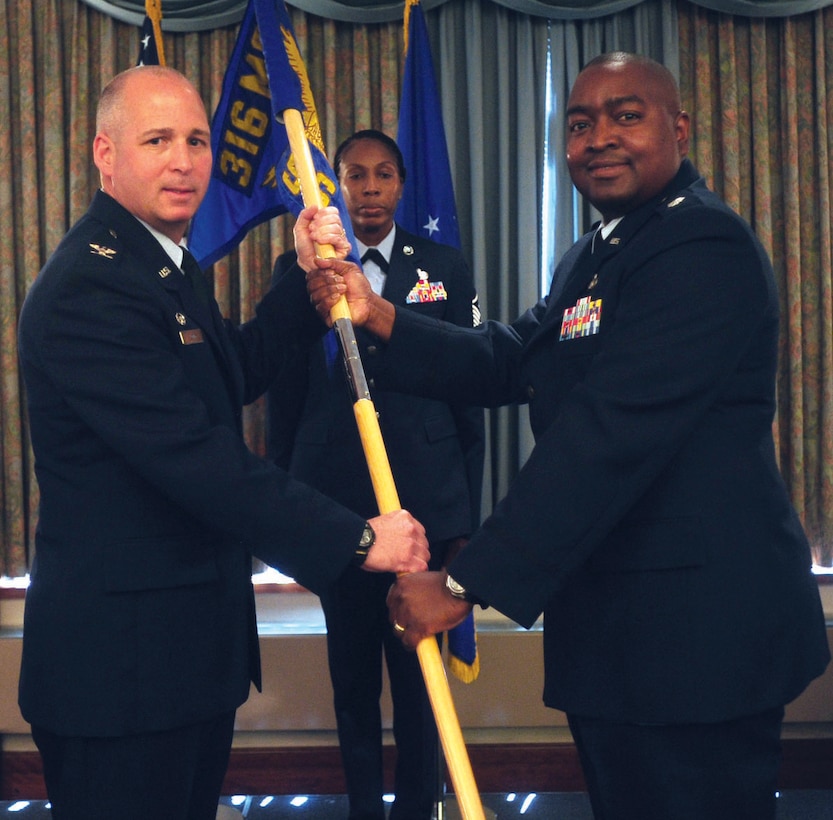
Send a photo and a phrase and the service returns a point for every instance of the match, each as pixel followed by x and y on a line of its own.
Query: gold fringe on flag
pixel 464 672
pixel 408 5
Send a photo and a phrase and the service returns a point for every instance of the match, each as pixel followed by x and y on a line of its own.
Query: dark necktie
pixel 375 255
pixel 195 276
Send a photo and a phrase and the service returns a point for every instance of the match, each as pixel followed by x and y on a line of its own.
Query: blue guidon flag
pixel 253 178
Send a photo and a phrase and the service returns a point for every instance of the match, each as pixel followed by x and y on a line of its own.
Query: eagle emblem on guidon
pixel 312 127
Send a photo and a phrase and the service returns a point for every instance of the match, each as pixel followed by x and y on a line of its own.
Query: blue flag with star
pixel 427 206
pixel 427 209
pixel 253 178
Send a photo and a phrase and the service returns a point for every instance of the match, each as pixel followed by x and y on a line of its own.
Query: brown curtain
pixel 760 91
pixel 55 56
pixel 761 94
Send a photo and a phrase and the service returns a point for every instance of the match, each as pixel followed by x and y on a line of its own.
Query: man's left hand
pixel 420 606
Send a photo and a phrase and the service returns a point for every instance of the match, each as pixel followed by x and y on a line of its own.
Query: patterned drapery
pixel 194 15
pixel 759 91
pixel 762 96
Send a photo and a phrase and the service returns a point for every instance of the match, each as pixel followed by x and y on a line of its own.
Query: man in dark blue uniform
pixel 650 524
pixel 139 637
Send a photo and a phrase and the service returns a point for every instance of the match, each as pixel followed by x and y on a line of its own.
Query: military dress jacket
pixel 140 613
pixel 435 448
pixel 650 525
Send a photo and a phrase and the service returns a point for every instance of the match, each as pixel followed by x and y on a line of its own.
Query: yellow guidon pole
pixel 433 671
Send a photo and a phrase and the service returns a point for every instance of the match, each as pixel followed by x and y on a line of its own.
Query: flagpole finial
pixel 153 10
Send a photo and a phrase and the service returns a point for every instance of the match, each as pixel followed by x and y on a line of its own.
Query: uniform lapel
pixel 587 259
pixel 210 321
pixel 157 264
pixel 583 263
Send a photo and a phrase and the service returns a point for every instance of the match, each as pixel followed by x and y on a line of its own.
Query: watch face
pixel 456 589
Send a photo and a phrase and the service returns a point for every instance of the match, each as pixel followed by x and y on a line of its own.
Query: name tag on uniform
pixel 583 319
pixel 191 337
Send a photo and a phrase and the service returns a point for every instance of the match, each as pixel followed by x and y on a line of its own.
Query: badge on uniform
pixel 102 250
pixel 425 291
pixel 583 319
pixel 191 337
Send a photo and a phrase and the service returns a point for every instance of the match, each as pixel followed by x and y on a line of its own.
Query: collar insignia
pixel 675 202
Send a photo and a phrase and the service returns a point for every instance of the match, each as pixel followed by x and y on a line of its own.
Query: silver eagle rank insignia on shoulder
pixel 102 250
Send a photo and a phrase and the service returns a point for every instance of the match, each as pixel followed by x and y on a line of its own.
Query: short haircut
pixel 110 100
pixel 655 69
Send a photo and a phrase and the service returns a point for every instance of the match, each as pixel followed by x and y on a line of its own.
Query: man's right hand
pixel 332 279
pixel 400 545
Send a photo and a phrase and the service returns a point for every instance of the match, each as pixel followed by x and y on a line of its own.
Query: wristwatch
pixel 365 543
pixel 457 590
